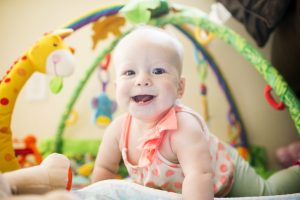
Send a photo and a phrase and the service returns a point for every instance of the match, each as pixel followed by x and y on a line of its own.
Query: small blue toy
pixel 103 106
pixel 103 109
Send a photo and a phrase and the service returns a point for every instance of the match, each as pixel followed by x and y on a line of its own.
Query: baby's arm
pixel 191 148
pixel 109 155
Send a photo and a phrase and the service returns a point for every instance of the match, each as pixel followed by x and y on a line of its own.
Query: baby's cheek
pixel 121 98
pixel 171 88
pixel 170 83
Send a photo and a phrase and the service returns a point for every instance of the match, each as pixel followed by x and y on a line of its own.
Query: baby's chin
pixel 147 114
pixel 144 115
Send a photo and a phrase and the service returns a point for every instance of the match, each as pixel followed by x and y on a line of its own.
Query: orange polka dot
pixel 223 168
pixel 170 190
pixel 21 72
pixel 150 184
pixel 178 185
pixel 24 57
pixel 221 146
pixel 169 173
pixel 215 188
pixel 223 179
pixel 8 157
pixel 173 165
pixel 4 101
pixel 165 185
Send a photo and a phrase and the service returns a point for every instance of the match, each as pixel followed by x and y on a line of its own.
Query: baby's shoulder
pixel 190 126
pixel 115 127
pixel 119 120
pixel 188 120
pixel 190 132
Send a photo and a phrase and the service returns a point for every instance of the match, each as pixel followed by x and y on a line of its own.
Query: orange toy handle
pixel 70 176
pixel 106 63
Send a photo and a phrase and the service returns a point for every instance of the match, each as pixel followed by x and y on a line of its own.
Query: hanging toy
pixel 103 106
pixel 202 73
pixel 103 110
pixel 234 134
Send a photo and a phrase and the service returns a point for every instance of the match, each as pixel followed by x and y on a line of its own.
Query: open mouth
pixel 142 98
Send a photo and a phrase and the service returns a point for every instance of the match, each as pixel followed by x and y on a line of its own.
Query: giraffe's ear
pixel 63 32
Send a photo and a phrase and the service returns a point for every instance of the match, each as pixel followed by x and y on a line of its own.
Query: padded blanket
pixel 126 190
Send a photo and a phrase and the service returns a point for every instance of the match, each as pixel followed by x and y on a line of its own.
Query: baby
pixel 164 144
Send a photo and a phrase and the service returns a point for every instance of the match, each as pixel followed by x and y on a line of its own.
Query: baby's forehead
pixel 150 35
pixel 144 42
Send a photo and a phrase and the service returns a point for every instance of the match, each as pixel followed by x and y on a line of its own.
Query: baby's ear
pixel 181 87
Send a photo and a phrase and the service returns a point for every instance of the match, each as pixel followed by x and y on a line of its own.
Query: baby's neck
pixel 148 124
pixel 145 125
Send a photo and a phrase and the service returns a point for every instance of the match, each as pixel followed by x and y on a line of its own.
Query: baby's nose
pixel 143 80
pixel 144 83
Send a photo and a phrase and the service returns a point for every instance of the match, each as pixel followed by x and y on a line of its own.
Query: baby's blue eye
pixel 129 73
pixel 158 71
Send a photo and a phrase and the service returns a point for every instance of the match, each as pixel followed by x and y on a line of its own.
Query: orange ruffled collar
pixel 152 140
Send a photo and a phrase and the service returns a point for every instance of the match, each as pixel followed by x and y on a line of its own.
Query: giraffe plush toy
pixel 48 55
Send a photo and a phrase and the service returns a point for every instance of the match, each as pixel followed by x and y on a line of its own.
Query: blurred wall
pixel 22 22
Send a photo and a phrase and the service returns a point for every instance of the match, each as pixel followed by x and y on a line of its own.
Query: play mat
pixel 117 20
pixel 116 189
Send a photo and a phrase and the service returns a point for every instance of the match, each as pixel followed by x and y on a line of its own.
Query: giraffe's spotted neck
pixel 12 84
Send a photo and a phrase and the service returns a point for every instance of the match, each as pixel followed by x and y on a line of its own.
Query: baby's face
pixel 147 76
